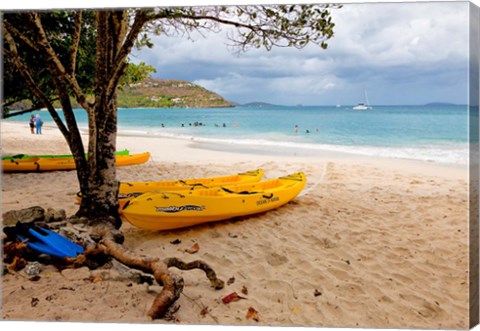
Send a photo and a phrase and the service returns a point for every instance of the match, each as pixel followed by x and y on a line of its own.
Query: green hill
pixel 157 93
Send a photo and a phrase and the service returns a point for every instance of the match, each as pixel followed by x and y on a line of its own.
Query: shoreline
pixel 370 242
pixel 456 155
pixel 205 152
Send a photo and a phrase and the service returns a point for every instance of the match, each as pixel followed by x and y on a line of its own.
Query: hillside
pixel 156 93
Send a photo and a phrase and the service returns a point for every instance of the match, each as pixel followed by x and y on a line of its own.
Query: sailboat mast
pixel 366 98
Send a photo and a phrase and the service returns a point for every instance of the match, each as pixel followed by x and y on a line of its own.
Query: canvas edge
pixel 474 91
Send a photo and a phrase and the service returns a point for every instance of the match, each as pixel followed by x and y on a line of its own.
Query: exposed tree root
pixel 209 272
pixel 172 283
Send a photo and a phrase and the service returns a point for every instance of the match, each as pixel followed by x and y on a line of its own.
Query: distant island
pixel 440 104
pixel 160 93
pixel 258 104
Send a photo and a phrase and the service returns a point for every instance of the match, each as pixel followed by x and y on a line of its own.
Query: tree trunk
pixel 99 186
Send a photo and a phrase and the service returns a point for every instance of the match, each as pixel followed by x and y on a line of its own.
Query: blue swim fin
pixel 44 240
pixel 53 244
pixel 41 247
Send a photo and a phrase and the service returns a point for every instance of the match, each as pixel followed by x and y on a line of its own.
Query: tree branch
pixel 55 61
pixel 18 34
pixel 35 107
pixel 24 72
pixel 76 42
pixel 118 64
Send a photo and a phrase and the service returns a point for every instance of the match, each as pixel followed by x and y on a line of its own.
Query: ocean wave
pixel 450 153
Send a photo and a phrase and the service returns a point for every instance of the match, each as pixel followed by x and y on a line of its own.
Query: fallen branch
pixel 172 283
pixel 209 272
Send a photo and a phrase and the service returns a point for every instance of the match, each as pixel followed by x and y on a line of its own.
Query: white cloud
pixel 382 34
pixel 383 47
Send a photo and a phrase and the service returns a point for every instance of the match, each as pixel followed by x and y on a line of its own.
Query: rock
pixel 54 215
pixel 27 215
pixel 77 220
pixel 32 269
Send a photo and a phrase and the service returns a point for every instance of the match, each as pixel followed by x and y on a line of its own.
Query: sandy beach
pixel 370 242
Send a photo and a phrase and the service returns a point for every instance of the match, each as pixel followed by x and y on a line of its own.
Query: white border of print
pixel 49 4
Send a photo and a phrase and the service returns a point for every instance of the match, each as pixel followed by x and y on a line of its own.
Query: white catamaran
pixel 363 106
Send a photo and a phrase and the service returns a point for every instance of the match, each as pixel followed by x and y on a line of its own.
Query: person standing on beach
pixel 38 124
pixel 32 124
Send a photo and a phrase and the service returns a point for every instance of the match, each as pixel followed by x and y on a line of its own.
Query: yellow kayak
pixel 163 210
pixel 63 163
pixel 130 190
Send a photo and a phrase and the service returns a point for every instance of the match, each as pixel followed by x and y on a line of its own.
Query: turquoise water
pixel 433 133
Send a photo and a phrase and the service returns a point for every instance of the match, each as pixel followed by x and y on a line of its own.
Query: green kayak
pixel 26 156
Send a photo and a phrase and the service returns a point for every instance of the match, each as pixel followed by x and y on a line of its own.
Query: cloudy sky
pixel 401 53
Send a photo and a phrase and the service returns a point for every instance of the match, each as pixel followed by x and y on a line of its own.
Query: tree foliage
pixel 60 28
pixel 136 73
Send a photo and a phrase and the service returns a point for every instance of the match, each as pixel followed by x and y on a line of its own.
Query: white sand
pixel 382 242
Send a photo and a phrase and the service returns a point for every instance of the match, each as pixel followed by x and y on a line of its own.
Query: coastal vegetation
pixel 156 93
pixel 148 93
pixel 56 56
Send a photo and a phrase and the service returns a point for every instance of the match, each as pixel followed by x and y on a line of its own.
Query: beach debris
pixel 50 297
pixel 96 278
pixel 192 250
pixel 232 235
pixel 317 293
pixel 253 314
pixel 231 280
pixel 34 302
pixel 244 290
pixel 12 249
pixel 18 263
pixel 79 227
pixel 232 297
pixel 68 288
pixel 15 256
pixel 296 310
pixel 204 312
pixel 176 242
pixel 327 243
